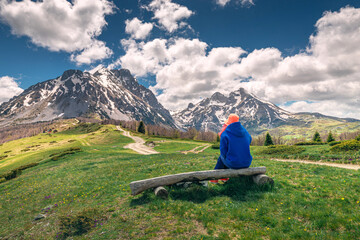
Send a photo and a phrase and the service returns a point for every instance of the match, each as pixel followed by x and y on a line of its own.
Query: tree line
pixel 276 139
pixel 11 133
pixel 160 131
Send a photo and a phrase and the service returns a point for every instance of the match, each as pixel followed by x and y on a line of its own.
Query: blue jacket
pixel 235 146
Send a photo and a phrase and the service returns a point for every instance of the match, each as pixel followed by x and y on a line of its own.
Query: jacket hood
pixel 235 129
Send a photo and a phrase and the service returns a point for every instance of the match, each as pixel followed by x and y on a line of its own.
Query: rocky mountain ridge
pixel 106 94
pixel 255 114
pixel 210 113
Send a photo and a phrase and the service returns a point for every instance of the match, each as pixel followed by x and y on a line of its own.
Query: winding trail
pixel 339 165
pixel 196 151
pixel 138 146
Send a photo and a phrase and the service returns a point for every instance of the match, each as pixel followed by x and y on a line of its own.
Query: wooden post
pixel 161 192
pixel 262 179
pixel 142 185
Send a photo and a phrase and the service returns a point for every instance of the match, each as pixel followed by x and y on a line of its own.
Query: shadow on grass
pixel 143 199
pixel 238 189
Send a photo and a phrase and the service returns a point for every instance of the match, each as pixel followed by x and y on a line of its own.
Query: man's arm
pixel 223 146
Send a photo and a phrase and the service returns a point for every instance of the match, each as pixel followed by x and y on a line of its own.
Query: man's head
pixel 231 119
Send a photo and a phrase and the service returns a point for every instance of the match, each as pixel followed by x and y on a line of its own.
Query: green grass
pixel 86 195
pixel 310 152
pixel 175 146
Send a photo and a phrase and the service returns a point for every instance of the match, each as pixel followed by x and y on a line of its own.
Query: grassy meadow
pixel 85 194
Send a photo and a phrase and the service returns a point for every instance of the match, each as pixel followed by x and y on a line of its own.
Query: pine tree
pixel 330 137
pixel 268 140
pixel 217 138
pixel 357 138
pixel 141 128
pixel 317 137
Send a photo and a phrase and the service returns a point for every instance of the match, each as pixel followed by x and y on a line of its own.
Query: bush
pixel 357 138
pixel 3 157
pixel 12 174
pixel 58 155
pixel 309 143
pixel 216 146
pixel 30 165
pixel 333 143
pixel 150 143
pixel 15 172
pixel 282 149
pixel 350 145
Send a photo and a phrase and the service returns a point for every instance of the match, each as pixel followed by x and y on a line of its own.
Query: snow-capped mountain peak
pixel 106 94
pixel 211 113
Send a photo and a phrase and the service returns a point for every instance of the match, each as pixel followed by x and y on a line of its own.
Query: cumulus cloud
pixel 326 73
pixel 169 14
pixel 96 51
pixel 8 88
pixel 323 77
pixel 332 108
pixel 137 29
pixel 184 70
pixel 59 25
pixel 222 2
pixel 242 2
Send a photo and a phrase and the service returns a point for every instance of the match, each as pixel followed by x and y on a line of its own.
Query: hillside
pixel 93 185
pixel 309 123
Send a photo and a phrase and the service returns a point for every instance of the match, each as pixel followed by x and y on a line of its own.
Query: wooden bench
pixel 258 174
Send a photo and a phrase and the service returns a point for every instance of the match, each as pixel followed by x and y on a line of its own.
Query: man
pixel 234 146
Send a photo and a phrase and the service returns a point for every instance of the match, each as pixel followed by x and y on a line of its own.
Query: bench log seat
pixel 258 174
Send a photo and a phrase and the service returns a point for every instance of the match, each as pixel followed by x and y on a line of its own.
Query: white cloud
pixel 323 76
pixel 137 29
pixel 96 51
pixel 59 25
pixel 169 14
pixel 332 108
pixel 183 68
pixel 222 2
pixel 326 73
pixel 8 88
pixel 242 2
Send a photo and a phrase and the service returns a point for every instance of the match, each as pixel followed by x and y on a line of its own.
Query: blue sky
pixel 265 41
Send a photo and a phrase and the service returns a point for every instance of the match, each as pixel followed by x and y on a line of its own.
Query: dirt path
pixel 339 165
pixel 138 146
pixel 196 151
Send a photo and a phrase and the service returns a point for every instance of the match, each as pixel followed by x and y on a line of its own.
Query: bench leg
pixel 161 192
pixel 262 179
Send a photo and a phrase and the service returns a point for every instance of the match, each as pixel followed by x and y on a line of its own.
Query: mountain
pixel 256 115
pixel 106 94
